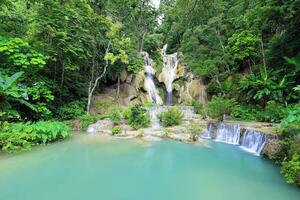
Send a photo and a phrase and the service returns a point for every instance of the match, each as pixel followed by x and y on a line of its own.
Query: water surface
pixel 92 167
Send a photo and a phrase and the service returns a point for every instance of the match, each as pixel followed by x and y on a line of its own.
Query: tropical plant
pixel 291 169
pixel 194 130
pixel 171 117
pixel 264 88
pixel 138 117
pixel 116 130
pixel 22 136
pixel 72 110
pixel 115 115
pixel 219 106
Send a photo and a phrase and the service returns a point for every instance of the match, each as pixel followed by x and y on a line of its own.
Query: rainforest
pixel 116 99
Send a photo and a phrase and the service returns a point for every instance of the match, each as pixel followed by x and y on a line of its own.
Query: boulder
pixel 273 148
pixel 101 126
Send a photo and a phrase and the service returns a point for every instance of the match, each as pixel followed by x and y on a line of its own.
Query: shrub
pixel 115 115
pixel 194 130
pixel 219 106
pixel 172 117
pixel 19 137
pixel 72 110
pixel 290 135
pixel 116 130
pixel 274 112
pixel 247 112
pixel 15 141
pixel 126 112
pixel 291 169
pixel 138 117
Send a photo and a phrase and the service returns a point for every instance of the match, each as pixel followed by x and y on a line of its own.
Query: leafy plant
pixel 138 117
pixel 274 112
pixel 116 130
pixel 219 106
pixel 171 117
pixel 72 110
pixel 115 115
pixel 21 136
pixel 291 169
pixel 194 131
pixel 247 112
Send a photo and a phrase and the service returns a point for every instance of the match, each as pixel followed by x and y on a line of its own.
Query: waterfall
pixel 207 134
pixel 170 63
pixel 149 81
pixel 253 141
pixel 187 111
pixel 228 134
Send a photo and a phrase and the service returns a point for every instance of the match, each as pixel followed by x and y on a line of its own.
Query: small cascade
pixel 154 112
pixel 228 134
pixel 170 63
pixel 253 141
pixel 207 133
pixel 149 82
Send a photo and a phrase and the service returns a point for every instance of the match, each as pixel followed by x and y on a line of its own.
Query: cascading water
pixel 170 63
pixel 149 82
pixel 253 141
pixel 207 134
pixel 228 134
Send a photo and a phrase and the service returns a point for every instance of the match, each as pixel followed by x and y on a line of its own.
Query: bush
pixel 274 112
pixel 172 117
pixel 219 106
pixel 19 137
pixel 116 130
pixel 291 169
pixel 115 115
pixel 194 130
pixel 72 110
pixel 247 112
pixel 290 136
pixel 138 117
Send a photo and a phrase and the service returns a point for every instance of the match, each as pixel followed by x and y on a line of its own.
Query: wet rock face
pixel 273 148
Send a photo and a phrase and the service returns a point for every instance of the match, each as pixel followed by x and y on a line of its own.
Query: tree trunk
pixel 93 84
pixel 262 50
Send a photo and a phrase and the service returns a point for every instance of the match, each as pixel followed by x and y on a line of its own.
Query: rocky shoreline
pixel 271 148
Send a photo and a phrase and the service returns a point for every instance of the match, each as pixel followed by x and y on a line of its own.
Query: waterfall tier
pixel 249 140
pixel 170 63
pixel 149 82
pixel 228 134
pixel 207 133
pixel 253 141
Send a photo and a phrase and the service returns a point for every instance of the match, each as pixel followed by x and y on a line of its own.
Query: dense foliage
pixel 172 117
pixel 22 136
pixel 218 107
pixel 137 117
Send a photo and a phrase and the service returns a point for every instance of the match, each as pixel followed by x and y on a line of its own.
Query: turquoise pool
pixel 93 167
